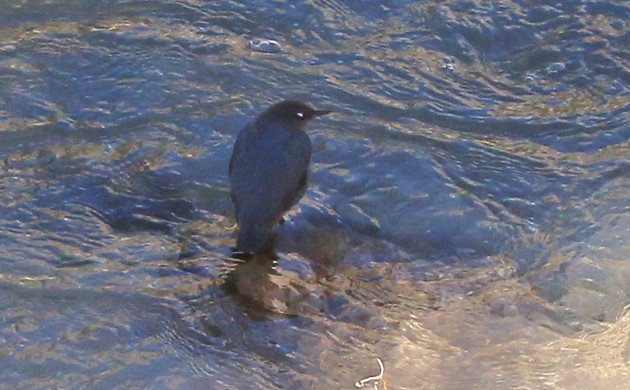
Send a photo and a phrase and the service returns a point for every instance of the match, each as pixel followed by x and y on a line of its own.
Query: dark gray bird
pixel 269 170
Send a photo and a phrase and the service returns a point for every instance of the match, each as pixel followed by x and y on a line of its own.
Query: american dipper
pixel 269 170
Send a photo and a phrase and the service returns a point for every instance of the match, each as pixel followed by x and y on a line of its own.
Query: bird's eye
pixel 300 115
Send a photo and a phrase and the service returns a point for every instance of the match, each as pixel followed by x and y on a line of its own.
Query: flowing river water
pixel 467 222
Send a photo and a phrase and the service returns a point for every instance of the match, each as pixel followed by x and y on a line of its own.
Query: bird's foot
pixel 236 254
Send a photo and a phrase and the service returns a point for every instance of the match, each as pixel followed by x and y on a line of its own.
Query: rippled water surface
pixel 467 222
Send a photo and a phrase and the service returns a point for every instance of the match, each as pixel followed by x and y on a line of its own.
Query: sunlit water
pixel 468 219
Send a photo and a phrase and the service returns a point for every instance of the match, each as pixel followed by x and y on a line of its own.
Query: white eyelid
pixel 300 114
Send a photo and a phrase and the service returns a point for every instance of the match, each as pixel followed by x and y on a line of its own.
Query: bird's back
pixel 268 175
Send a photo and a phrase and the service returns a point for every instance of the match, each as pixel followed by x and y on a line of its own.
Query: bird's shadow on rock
pixel 261 288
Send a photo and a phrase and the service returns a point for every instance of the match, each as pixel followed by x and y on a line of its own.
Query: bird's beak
pixel 321 112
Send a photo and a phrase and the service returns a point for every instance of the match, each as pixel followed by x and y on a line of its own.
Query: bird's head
pixel 291 111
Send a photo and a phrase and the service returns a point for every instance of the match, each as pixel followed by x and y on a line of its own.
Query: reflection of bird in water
pixel 269 170
pixel 257 284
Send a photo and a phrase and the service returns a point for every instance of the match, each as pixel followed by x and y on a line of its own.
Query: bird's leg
pixel 270 244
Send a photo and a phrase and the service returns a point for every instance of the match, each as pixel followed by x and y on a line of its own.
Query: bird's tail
pixel 252 238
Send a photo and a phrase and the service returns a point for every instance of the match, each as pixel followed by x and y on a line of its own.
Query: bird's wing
pixel 268 174
pixel 237 145
pixel 237 152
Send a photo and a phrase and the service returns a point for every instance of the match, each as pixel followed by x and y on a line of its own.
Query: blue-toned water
pixel 467 222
